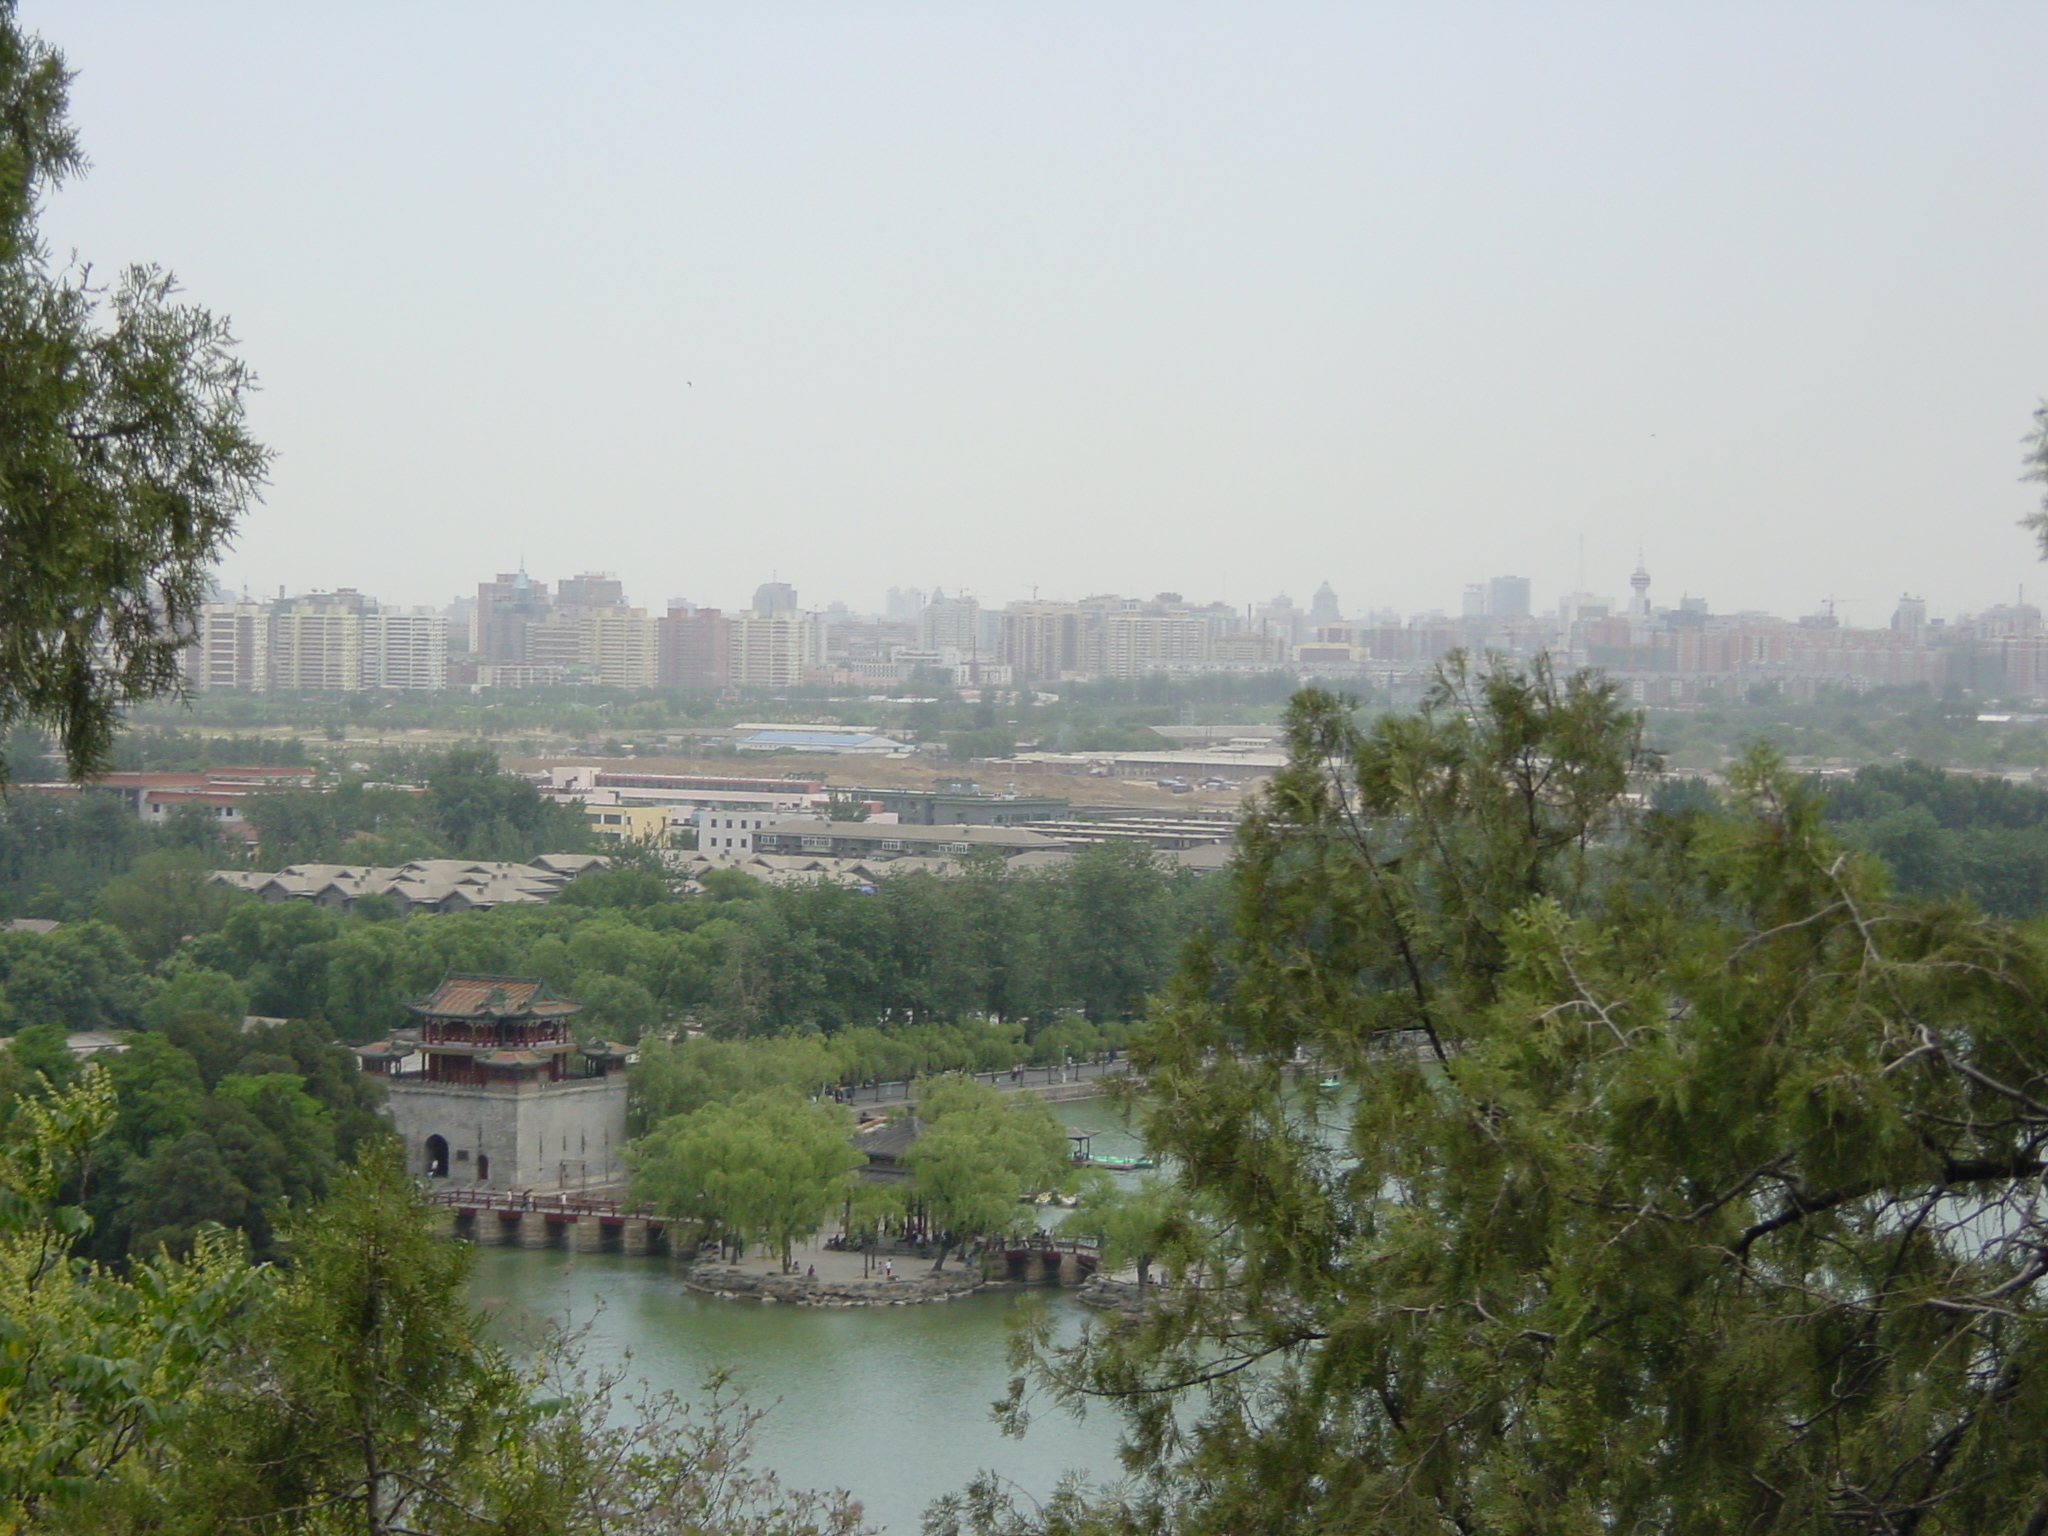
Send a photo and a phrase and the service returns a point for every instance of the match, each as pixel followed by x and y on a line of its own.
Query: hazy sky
pixel 1220 299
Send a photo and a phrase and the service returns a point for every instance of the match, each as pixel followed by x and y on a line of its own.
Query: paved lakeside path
pixel 841 1277
pixel 1080 1080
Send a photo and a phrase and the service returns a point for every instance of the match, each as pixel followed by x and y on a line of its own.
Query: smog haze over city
pixel 1220 299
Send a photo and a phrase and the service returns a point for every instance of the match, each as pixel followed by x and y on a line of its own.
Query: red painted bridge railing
pixel 562 1205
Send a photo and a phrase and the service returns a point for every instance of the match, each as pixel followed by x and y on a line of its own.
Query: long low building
pixel 1166 833
pixel 943 808
pixel 893 840
pixel 1234 766
pixel 220 794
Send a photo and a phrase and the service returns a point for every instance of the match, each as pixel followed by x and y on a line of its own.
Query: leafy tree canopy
pixel 978 1153
pixel 767 1167
pixel 123 459
pixel 94 1368
pixel 353 1392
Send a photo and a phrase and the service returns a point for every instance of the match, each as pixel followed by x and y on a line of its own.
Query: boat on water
pixel 1085 1156
pixel 1115 1164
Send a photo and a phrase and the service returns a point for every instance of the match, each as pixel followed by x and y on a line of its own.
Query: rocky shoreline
pixel 905 1290
pixel 1120 1296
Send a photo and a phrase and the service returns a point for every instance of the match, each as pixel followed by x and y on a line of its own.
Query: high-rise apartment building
pixel 230 650
pixel 774 597
pixel 1507 597
pixel 950 624
pixel 1322 608
pixel 340 597
pixel 1910 618
pixel 1280 617
pixel 619 647
pixel 554 641
pixel 1135 644
pixel 505 609
pixel 404 648
pixel 1042 641
pixel 1248 648
pixel 316 647
pixel 693 648
pixel 593 589
pixel 773 650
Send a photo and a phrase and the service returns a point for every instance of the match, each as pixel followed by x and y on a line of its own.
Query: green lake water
pixel 890 1403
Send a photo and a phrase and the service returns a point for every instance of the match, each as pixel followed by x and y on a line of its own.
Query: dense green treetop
pixel 94 1368
pixel 1949 834
pixel 1131 1225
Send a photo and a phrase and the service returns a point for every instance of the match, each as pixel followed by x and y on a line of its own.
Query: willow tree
pixel 976 1157
pixel 123 459
pixel 766 1167
pixel 1670 1176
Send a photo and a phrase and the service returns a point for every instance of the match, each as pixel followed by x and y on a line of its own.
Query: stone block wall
pixel 568 1136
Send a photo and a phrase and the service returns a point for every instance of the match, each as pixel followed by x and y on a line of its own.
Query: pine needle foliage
pixel 1642 1175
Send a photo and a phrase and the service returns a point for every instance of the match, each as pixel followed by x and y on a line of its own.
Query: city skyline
pixel 1192 301
pixel 649 592
pixel 521 631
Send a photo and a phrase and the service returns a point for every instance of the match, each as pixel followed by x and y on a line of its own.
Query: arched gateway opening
pixel 437 1157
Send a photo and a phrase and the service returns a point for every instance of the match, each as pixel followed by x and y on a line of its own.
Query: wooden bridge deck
pixel 552 1205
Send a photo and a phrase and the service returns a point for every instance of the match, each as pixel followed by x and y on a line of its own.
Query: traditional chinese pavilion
pixel 496 1029
pixel 502 1096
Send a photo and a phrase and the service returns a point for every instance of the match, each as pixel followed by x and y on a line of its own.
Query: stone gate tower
pixel 501 1097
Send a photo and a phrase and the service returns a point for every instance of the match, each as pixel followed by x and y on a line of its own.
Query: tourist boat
pixel 1086 1157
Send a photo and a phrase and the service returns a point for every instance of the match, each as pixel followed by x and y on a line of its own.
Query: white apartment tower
pixel 950 624
pixel 316 647
pixel 773 650
pixel 620 647
pixel 404 648
pixel 1136 644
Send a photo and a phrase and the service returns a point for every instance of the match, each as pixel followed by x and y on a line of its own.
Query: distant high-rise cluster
pixel 518 632
pixel 335 641
pixel 588 633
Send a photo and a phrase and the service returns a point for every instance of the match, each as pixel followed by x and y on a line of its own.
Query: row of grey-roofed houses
pixel 799 851
pixel 424 885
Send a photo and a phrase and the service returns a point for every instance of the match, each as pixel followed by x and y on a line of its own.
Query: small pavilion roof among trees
pixel 885 1145
pixel 500 1030
pixel 468 999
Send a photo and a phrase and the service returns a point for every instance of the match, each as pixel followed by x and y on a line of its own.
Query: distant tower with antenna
pixel 1639 584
